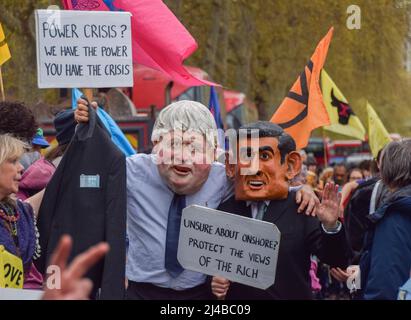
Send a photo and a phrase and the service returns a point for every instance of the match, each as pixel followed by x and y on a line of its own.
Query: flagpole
pixel 325 149
pixel 89 94
pixel 3 96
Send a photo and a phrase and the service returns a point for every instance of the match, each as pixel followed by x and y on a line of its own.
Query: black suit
pixel 301 236
pixel 89 215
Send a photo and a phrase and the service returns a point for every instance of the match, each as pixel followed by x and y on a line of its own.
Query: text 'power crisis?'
pixel 240 249
pixel 83 49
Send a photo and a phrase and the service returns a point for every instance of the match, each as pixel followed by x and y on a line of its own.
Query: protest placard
pixel 240 249
pixel 88 49
pixel 11 270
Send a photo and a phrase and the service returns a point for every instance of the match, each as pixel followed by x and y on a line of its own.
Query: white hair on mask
pixel 186 115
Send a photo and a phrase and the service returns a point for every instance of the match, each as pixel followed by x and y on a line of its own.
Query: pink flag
pixel 160 41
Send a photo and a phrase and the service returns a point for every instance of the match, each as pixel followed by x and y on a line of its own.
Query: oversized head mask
pixel 263 162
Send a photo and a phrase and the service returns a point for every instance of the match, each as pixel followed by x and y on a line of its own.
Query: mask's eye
pixel 264 156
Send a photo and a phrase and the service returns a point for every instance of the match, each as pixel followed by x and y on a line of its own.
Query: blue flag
pixel 214 106
pixel 117 136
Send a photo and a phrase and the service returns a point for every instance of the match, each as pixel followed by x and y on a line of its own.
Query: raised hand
pixel 329 209
pixel 72 284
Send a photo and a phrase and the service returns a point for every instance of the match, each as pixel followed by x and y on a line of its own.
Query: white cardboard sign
pixel 83 49
pixel 240 249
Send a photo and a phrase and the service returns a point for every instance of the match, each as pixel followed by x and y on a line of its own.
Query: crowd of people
pixel 374 196
pixel 337 223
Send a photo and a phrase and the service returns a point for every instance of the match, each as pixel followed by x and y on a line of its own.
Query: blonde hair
pixel 11 147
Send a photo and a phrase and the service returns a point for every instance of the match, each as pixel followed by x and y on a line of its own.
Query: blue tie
pixel 172 265
pixel 262 208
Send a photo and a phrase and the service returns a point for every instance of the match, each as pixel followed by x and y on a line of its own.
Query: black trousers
pixel 148 291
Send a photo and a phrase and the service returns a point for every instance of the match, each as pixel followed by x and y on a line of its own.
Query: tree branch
pixel 11 22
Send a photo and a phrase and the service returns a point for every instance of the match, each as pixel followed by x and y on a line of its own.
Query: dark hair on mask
pixel 18 120
pixel 286 143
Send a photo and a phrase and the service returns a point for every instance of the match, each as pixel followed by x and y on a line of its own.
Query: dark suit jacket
pixel 301 236
pixel 89 215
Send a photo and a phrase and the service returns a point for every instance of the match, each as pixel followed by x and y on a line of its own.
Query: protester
pixel 18 120
pixel 37 176
pixel 326 176
pixel 86 198
pixel 355 174
pixel 17 227
pixel 312 179
pixel 312 164
pixel 37 170
pixel 181 171
pixel 386 260
pixel 263 194
pixel 366 168
pixel 301 178
pixel 37 143
pixel 359 200
pixel 340 174
pixel 65 127
pixel 304 156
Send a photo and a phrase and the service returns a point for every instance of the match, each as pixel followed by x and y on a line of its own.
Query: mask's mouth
pixel 182 170
pixel 256 184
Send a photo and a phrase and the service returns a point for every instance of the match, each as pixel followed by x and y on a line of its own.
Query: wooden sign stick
pixel 89 94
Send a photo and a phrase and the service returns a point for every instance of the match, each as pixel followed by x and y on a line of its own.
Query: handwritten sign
pixel 88 49
pixel 11 270
pixel 240 249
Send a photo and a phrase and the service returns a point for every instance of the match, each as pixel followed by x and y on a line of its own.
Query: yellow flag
pixel 11 270
pixel 378 135
pixel 4 48
pixel 342 117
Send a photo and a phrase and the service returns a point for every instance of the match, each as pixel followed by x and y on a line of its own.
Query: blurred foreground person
pixel 72 284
